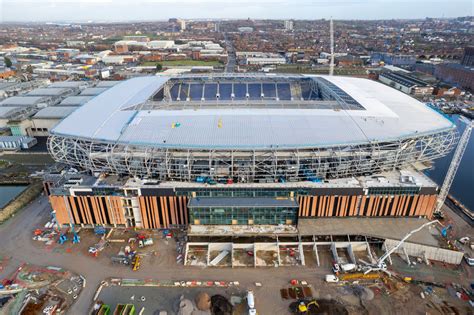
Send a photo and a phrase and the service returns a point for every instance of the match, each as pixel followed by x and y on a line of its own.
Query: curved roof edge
pixel 103 114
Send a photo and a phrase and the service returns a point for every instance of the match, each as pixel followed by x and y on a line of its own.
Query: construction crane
pixel 331 32
pixel 380 264
pixel 453 167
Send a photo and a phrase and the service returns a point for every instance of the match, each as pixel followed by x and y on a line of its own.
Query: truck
pixel 251 303
pixel 145 242
pixel 124 260
pixel 125 309
pixel 94 250
pixel 352 276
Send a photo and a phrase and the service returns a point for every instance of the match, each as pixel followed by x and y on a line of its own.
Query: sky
pixel 149 10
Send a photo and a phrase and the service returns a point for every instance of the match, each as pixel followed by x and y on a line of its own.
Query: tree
pixel 8 62
pixel 159 67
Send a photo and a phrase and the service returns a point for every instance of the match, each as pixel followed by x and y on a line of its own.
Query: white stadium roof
pixel 388 115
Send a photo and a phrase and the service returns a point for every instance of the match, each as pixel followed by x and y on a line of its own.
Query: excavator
pixel 306 307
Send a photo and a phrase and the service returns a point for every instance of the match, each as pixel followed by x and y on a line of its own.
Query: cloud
pixel 133 10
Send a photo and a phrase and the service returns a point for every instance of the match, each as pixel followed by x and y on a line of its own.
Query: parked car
pixel 331 278
pixel 469 260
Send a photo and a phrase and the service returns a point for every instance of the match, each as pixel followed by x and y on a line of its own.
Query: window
pixel 231 215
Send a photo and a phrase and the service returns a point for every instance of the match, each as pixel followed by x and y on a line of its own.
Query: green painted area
pixel 188 62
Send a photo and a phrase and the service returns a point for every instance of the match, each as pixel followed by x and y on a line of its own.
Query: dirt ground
pixel 242 258
pixel 159 262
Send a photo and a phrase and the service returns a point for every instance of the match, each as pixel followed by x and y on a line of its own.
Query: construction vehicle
pixel 453 167
pixel 100 230
pixel 94 250
pixel 62 239
pixel 104 310
pixel 305 306
pixel 331 278
pixel 145 242
pixel 359 276
pixel 445 230
pixel 124 260
pixel 136 263
pixel 251 303
pixel 352 277
pixel 75 239
pixel 380 264
pixel 125 309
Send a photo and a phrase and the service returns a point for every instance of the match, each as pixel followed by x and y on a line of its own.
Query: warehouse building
pixel 406 83
pixel 36 112
pixel 46 118
pixel 75 101
pixel 16 142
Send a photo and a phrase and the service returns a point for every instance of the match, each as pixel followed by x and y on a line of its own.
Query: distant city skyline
pixel 149 10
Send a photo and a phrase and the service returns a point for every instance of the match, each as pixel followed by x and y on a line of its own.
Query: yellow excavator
pixel 304 306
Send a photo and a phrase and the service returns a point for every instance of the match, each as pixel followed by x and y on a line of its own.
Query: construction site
pixel 148 271
pixel 336 274
pixel 334 217
pixel 39 290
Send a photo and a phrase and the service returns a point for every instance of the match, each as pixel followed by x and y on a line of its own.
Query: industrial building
pixel 245 150
pixel 36 112
pixel 393 59
pixel 457 74
pixel 16 142
pixel 406 83
pixel 259 58
pixel 468 57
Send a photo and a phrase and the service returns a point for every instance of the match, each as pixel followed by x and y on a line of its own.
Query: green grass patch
pixel 176 63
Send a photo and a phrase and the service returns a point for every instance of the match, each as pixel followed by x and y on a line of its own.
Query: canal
pixel 9 192
pixel 463 184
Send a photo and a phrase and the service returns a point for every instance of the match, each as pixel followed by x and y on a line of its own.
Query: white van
pixel 331 278
pixel 469 260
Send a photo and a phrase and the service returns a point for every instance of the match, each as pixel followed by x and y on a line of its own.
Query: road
pixel 231 57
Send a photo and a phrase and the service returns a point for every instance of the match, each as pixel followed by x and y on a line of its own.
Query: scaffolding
pixel 248 166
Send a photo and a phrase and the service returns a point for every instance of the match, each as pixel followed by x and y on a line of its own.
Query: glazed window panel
pixel 226 216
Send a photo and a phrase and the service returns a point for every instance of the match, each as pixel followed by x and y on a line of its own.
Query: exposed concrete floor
pixel 394 228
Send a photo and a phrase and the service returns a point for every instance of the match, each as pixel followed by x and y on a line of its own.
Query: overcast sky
pixel 129 10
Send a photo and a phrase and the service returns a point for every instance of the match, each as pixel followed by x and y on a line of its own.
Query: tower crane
pixel 453 167
pixel 331 34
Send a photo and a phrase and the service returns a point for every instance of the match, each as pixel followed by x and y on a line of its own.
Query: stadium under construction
pixel 245 151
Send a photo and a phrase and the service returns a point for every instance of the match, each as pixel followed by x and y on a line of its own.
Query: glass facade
pixel 243 216
pixel 16 130
pixel 410 190
pixel 241 192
